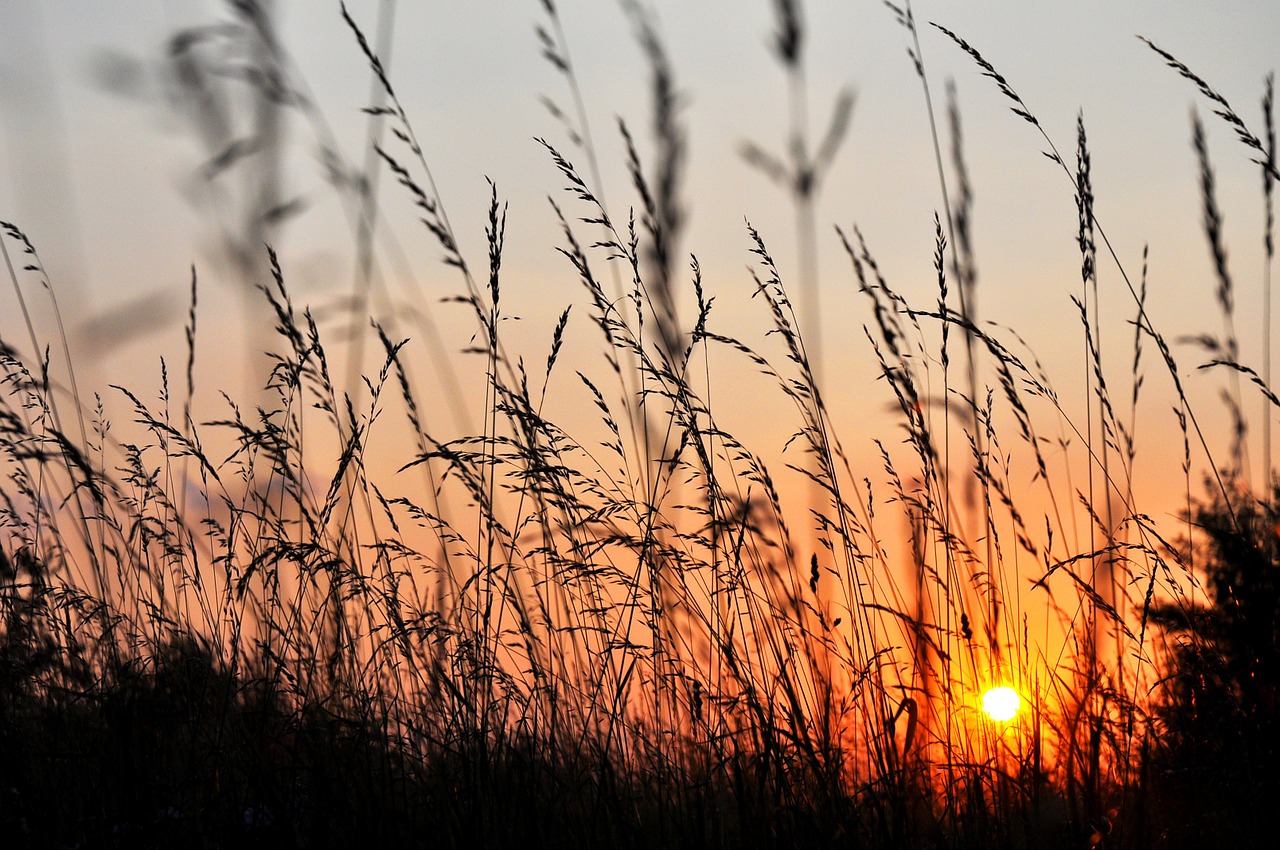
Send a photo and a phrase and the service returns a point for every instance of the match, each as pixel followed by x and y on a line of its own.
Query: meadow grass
pixel 626 632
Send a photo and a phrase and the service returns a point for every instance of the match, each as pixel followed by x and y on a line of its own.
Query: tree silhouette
pixel 1217 741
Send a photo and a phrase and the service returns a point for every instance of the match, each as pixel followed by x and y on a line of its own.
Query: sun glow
pixel 1001 704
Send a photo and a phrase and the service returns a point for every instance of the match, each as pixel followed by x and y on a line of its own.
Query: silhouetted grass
pixel 551 632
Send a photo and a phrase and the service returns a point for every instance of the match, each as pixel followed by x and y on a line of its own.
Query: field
pixel 680 560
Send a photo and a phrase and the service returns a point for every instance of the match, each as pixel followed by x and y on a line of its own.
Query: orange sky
pixel 103 182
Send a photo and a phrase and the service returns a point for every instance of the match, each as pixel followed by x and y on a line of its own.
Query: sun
pixel 1001 704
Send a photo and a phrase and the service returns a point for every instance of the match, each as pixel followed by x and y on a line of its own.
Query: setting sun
pixel 1001 704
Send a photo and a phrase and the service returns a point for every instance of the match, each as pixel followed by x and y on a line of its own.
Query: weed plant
pixel 625 635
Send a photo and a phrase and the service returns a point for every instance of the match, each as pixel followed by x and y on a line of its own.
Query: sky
pixel 100 170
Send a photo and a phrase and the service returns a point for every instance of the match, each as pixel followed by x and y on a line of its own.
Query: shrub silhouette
pixel 1217 744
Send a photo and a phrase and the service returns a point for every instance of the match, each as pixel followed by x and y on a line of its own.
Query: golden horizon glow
pixel 1001 704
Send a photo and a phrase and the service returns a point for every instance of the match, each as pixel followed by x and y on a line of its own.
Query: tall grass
pixel 615 632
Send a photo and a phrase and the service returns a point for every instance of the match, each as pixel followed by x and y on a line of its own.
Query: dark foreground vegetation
pixel 619 632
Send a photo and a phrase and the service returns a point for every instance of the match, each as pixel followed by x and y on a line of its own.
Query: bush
pixel 1218 740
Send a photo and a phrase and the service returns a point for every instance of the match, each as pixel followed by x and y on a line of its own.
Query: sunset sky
pixel 561 545
pixel 102 179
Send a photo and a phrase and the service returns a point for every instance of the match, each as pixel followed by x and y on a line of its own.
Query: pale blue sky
pixel 97 179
